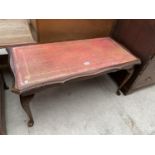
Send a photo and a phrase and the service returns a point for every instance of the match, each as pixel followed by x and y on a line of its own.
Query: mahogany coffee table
pixel 36 67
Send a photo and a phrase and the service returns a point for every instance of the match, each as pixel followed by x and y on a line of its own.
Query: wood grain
pixel 15 32
pixel 53 30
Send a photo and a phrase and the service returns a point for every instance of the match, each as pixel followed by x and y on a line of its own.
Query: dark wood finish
pixel 3 67
pixel 53 30
pixel 25 102
pixel 2 107
pixel 3 62
pixel 139 37
pixel 82 59
pixel 126 79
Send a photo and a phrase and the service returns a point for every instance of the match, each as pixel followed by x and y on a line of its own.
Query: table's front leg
pixel 25 102
pixel 130 73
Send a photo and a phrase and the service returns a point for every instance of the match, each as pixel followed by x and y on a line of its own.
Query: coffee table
pixel 36 67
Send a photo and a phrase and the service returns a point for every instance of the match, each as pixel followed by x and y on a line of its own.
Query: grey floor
pixel 87 107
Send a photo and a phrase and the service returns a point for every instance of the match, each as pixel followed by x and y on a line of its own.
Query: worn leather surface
pixel 42 64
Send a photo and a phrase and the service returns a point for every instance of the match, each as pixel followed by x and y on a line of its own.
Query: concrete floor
pixel 87 107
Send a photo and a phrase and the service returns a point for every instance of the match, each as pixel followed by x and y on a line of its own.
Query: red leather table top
pixel 43 64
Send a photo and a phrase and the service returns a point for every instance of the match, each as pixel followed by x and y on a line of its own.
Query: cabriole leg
pixel 25 102
pixel 130 73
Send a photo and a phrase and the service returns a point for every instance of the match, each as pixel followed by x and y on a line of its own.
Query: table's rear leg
pixel 130 73
pixel 25 102
pixel 4 82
